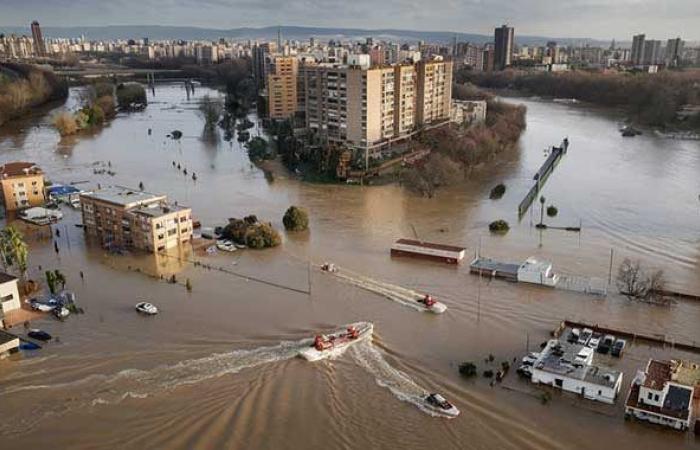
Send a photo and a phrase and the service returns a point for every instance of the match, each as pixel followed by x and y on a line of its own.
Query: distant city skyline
pixel 596 19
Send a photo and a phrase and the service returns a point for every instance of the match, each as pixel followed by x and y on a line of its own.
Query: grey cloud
pixel 576 18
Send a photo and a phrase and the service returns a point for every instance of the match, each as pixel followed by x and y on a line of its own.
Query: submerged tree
pixel 634 282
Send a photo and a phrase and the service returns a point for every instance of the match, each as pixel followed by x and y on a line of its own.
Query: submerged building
pixel 664 393
pixel 569 367
pixel 22 185
pixel 121 217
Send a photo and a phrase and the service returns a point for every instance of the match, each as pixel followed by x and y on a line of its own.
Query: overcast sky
pixel 602 19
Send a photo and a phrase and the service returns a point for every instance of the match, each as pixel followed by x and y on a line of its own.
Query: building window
pixel 7 298
pixel 649 396
pixel 656 397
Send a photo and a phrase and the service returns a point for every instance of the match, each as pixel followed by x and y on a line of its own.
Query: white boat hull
pixel 437 308
pixel 312 354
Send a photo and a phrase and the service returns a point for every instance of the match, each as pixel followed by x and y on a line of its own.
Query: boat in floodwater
pixel 439 404
pixel 326 345
pixel 432 305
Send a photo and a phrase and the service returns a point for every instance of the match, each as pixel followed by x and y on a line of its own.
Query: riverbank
pixel 23 87
pixel 657 100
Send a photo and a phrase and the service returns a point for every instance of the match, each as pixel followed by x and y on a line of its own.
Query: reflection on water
pixel 638 196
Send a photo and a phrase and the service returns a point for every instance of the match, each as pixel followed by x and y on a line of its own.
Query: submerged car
pixel 147 308
pixel 618 348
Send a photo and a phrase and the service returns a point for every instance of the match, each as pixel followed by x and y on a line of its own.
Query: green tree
pixel 14 250
pixel 296 219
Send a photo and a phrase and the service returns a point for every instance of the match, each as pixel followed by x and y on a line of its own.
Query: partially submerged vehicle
pixel 326 345
pixel 39 335
pixel 225 245
pixel 438 403
pixel 146 308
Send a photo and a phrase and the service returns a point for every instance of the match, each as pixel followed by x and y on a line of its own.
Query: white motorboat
pixel 432 305
pixel 61 312
pixel 439 404
pixel 147 308
pixel 326 345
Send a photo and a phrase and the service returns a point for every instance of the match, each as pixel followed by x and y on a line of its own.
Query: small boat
pixel 147 308
pixel 432 305
pixel 326 345
pixel 329 267
pixel 438 403
pixel 39 335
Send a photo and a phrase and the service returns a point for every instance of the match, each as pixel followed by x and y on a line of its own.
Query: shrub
pixel 258 149
pixel 296 219
pixel 552 211
pixel 499 226
pixel 488 373
pixel 498 191
pixel 467 369
pixel 252 233
pixel 106 103
pixel 65 123
pixel 131 94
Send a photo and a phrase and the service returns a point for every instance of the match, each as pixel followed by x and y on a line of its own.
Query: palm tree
pixel 60 278
pixel 14 250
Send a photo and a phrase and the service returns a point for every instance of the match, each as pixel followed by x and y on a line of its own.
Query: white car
pixel 147 308
pixel 594 342
pixel 225 245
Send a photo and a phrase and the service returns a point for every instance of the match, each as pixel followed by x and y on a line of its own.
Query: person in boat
pixel 353 333
pixel 428 301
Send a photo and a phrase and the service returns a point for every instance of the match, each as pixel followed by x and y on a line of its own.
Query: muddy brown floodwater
pixel 216 368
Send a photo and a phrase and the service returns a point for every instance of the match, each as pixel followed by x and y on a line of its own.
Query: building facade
pixel 369 108
pixel 120 217
pixel 38 38
pixel 9 294
pixel 637 56
pixel 22 185
pixel 503 49
pixel 282 87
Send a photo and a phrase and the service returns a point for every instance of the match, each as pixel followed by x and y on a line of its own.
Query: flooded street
pixel 217 367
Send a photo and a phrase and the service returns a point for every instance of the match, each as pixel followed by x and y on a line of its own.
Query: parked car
pixel 594 342
pixel 606 344
pixel 618 348
pixel 574 335
pixel 585 336
pixel 530 358
pixel 525 371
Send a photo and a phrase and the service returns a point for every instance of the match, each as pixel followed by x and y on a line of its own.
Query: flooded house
pixel 121 217
pixel 570 367
pixel 664 393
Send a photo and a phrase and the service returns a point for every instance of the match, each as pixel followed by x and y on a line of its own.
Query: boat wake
pixel 367 356
pixel 398 294
pixel 98 389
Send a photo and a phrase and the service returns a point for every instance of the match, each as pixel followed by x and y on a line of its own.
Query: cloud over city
pixel 575 18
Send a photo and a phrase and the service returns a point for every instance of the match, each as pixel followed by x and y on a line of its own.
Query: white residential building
pixel 663 393
pixel 569 367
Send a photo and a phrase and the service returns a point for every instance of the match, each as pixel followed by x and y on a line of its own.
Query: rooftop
pixel 18 168
pixel 559 357
pixel 450 248
pixel 123 196
pixel 676 403
pixel 657 374
pixel 158 209
pixel 6 337
pixel 5 277
pixel 686 372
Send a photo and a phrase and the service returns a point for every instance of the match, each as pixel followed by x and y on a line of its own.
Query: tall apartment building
pixel 22 185
pixel 503 39
pixel 39 46
pixel 369 108
pixel 434 93
pixel 637 56
pixel 261 61
pixel 120 217
pixel 652 52
pixel 282 87
pixel 674 52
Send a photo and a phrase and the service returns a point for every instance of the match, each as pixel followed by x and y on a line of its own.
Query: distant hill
pixel 157 32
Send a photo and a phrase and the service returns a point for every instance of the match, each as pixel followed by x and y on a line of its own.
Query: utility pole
pixel 611 267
